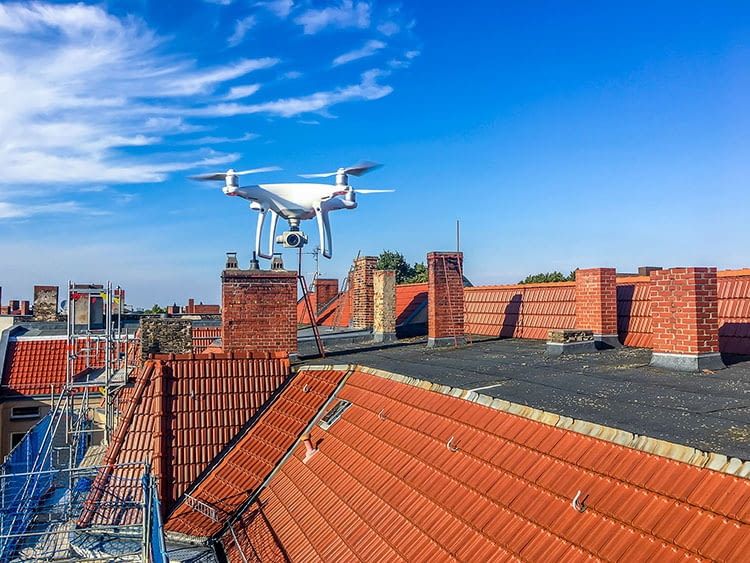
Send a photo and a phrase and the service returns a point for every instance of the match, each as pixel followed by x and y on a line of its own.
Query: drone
pixel 295 202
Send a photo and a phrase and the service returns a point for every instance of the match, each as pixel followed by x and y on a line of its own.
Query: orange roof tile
pixel 408 474
pixel 203 337
pixel 238 472
pixel 183 410
pixel 34 366
pixel 410 299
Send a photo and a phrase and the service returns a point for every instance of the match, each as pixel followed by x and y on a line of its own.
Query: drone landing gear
pixel 259 232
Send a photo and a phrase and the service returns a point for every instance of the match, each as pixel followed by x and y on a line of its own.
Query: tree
pixel 405 273
pixel 155 310
pixel 549 277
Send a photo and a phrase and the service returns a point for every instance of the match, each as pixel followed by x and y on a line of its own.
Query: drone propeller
pixel 373 191
pixel 356 170
pixel 232 172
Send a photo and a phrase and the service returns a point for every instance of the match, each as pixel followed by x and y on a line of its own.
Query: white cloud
pixel 241 27
pixel 412 54
pixel 280 8
pixel 239 92
pixel 78 84
pixel 389 28
pixel 292 74
pixel 367 89
pixel 367 50
pixel 347 14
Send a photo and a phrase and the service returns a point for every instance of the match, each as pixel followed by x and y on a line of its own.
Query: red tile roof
pixel 203 337
pixel 33 366
pixel 734 312
pixel 410 299
pixel 184 409
pixel 634 312
pixel 412 474
pixel 239 472
pixel 520 311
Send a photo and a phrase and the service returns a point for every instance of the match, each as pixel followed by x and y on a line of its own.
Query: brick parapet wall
pixel 362 293
pixel 384 304
pixel 684 311
pixel 445 305
pixel 46 298
pixel 259 310
pixel 596 300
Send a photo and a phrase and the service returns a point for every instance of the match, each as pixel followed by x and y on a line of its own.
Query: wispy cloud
pixel 241 27
pixel 389 28
pixel 78 85
pixel 367 50
pixel 280 8
pixel 20 211
pixel 239 92
pixel 367 89
pixel 347 14
pixel 219 140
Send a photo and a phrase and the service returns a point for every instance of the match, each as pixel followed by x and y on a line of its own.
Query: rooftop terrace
pixel 616 388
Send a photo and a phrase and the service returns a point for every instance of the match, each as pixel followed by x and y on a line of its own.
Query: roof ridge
pixel 670 450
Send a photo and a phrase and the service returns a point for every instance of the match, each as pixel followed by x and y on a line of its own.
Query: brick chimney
pixel 362 292
pixel 259 310
pixel 596 305
pixel 685 319
pixel 384 309
pixel 445 299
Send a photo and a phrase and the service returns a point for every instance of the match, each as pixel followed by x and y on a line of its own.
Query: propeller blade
pixel 362 168
pixel 373 191
pixel 323 175
pixel 258 170
pixel 208 177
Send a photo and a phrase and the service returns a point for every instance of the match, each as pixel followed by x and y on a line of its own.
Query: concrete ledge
pixel 557 349
pixel 662 448
pixel 607 341
pixel 687 362
pixel 445 341
pixel 384 336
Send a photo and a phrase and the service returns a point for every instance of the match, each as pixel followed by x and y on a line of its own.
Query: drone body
pixel 295 202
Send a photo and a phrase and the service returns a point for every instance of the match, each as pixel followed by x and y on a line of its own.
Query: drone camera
pixel 292 239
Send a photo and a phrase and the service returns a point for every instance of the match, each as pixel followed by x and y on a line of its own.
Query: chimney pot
pixel 310 450
pixel 231 261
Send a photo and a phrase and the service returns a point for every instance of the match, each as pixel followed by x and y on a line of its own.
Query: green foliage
pixel 155 310
pixel 549 277
pixel 405 273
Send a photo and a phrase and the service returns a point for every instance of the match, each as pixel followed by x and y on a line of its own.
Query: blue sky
pixel 562 134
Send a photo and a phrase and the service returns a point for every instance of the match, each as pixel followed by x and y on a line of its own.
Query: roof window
pixel 334 414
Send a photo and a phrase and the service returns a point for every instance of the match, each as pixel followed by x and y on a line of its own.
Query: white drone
pixel 295 202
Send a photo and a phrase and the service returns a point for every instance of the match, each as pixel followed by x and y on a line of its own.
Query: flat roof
pixel 617 388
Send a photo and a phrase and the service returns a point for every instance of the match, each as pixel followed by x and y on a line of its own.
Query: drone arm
pixel 324 230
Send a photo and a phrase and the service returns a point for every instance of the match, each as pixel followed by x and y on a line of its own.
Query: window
pixel 25 413
pixel 15 438
pixel 334 414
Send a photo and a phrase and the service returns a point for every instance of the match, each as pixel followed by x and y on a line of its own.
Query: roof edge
pixel 662 448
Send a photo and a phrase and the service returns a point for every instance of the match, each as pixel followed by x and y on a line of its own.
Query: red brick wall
pixel 596 300
pixel 445 305
pixel 520 311
pixel 362 292
pixel 684 311
pixel 325 290
pixel 259 311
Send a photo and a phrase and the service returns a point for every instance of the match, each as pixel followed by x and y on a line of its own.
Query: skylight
pixel 334 414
